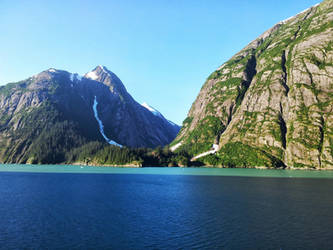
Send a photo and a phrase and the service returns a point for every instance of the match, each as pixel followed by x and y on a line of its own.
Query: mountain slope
pixel 272 103
pixel 46 116
pixel 158 114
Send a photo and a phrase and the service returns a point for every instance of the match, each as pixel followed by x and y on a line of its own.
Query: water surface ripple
pixel 138 211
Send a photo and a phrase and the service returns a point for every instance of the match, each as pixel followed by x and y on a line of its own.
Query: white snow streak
pixel 157 113
pixel 151 109
pixel 78 77
pixel 92 75
pixel 172 123
pixel 173 148
pixel 103 68
pixel 213 151
pixel 203 154
pixel 101 126
pixel 74 77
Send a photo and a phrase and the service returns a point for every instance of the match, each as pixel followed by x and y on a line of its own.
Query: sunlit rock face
pixel 272 103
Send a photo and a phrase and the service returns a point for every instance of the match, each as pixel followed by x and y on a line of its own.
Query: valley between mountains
pixel 269 106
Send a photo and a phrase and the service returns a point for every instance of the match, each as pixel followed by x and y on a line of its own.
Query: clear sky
pixel 162 50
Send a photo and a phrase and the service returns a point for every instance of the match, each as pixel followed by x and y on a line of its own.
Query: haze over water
pixel 169 210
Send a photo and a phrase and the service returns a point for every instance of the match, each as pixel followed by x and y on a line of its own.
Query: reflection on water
pixel 167 171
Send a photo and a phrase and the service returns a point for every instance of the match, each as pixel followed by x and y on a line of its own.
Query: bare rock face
pixel 52 113
pixel 273 100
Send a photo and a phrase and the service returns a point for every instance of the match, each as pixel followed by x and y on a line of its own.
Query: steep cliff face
pixel 46 116
pixel 272 103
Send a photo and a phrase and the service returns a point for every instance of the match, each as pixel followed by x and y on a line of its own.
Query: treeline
pixel 97 153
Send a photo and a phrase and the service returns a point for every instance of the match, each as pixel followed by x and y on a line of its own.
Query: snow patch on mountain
pixel 172 123
pixel 151 109
pixel 101 126
pixel 173 148
pixel 103 68
pixel 91 75
pixel 157 113
pixel 74 77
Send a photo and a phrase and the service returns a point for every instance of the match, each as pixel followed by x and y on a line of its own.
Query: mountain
pixel 158 114
pixel 271 104
pixel 46 116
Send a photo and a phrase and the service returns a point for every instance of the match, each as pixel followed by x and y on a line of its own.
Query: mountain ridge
pixel 59 110
pixel 264 104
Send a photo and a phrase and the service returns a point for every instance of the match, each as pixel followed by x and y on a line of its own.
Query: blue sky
pixel 162 50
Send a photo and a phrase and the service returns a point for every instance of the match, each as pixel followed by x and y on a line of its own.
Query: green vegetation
pixel 10 88
pixel 215 75
pixel 202 138
pixel 98 153
pixel 44 134
pixel 187 121
pixel 239 155
pixel 273 71
pixel 231 82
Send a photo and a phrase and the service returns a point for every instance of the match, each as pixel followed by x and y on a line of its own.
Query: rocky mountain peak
pixel 104 75
pixel 97 73
pixel 46 73
pixel 51 70
pixel 58 111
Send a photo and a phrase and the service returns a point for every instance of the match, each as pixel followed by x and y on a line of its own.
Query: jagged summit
pixel 52 70
pixel 96 72
pixel 50 114
pixel 104 75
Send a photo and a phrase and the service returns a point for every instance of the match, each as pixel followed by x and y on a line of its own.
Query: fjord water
pixel 167 209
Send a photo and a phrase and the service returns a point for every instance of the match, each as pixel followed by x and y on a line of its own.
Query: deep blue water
pixel 122 211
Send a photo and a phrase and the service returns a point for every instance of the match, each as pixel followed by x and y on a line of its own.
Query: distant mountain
pixel 46 116
pixel 272 103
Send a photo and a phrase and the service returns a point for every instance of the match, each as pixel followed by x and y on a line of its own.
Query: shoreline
pixel 193 167
pixel 189 171
pixel 92 165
